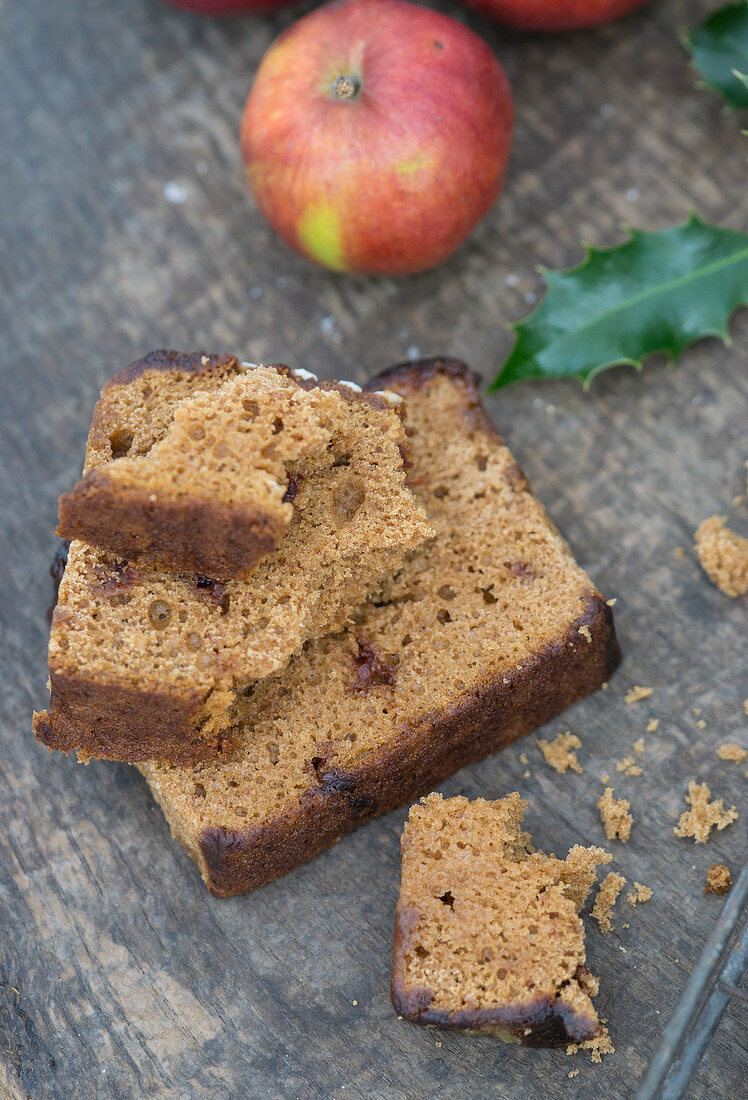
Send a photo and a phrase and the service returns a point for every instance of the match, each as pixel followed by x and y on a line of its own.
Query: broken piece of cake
pixel 211 491
pixel 471 643
pixel 148 664
pixel 488 937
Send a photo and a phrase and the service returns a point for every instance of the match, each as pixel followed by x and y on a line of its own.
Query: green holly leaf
pixel 719 49
pixel 657 292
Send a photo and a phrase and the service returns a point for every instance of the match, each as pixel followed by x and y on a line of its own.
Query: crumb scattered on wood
pixel 723 556
pixel 652 724
pixel 523 758
pixel 701 724
pixel 573 1072
pixel 636 693
pixel 612 601
pixel 638 745
pixel 639 894
pixel 598 1046
pixel 732 752
pixel 628 766
pixel 679 552
pixel 704 815
pixel 745 706
pixel 610 888
pixel 718 879
pixel 559 752
pixel 615 815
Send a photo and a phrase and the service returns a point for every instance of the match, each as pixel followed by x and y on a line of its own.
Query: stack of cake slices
pixel 295 605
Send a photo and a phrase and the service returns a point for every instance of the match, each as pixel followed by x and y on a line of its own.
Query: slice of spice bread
pixel 146 664
pixel 487 933
pixel 213 495
pixel 484 634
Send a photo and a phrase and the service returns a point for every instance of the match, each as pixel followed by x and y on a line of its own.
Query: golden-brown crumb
pixel 628 766
pixel 585 632
pixel 679 553
pixel 723 556
pixel 701 724
pixel 610 888
pixel 638 745
pixel 636 693
pixel 640 893
pixel 745 706
pixel 652 724
pixel 718 879
pixel 559 752
pixel 598 1046
pixel 704 815
pixel 614 812
pixel 732 752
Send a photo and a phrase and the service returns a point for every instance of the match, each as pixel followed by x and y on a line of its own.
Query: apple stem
pixel 346 87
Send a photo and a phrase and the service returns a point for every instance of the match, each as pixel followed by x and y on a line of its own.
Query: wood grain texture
pixel 119 975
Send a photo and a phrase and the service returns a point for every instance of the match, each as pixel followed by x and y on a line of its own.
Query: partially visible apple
pixel 376 135
pixel 554 15
pixel 228 7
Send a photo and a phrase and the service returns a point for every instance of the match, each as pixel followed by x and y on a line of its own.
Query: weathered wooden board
pixel 119 975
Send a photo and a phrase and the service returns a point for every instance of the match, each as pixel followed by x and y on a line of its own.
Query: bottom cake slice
pixel 486 632
pixel 487 933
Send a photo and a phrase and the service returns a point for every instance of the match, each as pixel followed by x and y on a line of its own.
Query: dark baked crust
pixel 192 535
pixel 418 758
pixel 114 722
pixel 542 1022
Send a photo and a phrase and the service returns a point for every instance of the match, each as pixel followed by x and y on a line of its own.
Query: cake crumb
pixel 704 815
pixel 605 779
pixel 612 601
pixel 523 758
pixel 573 1072
pixel 718 879
pixel 652 724
pixel 701 724
pixel 679 553
pixel 526 775
pixel 636 693
pixel 696 711
pixel 745 706
pixel 615 815
pixel 638 745
pixel 559 752
pixel 598 1046
pixel 723 556
pixel 610 888
pixel 639 894
pixel 732 752
pixel 585 632
pixel 628 766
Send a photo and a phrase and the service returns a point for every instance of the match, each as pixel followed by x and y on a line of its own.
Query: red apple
pixel 554 15
pixel 376 135
pixel 228 7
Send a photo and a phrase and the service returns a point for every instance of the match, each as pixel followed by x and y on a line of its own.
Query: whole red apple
pixel 376 135
pixel 554 15
pixel 228 7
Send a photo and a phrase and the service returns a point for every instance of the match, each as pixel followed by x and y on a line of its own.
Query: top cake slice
pixel 146 664
pixel 487 933
pixel 211 491
pixel 483 633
